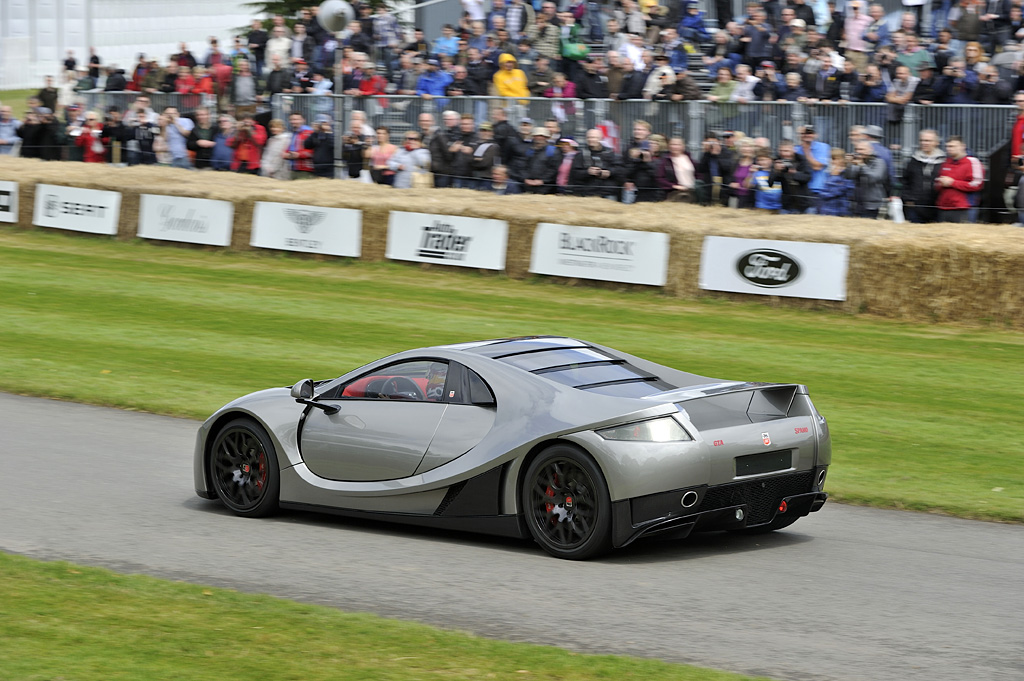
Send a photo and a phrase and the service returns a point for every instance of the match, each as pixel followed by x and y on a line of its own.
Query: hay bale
pixel 962 273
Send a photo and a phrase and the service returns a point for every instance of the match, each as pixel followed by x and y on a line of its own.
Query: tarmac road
pixel 847 593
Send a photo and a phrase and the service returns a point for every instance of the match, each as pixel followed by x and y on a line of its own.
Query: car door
pixel 386 421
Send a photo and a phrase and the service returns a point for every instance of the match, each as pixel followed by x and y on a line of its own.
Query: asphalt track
pixel 848 593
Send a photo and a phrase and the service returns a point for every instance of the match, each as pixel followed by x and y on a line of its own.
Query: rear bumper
pixel 731 506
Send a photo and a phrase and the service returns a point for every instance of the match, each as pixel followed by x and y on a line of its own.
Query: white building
pixel 35 35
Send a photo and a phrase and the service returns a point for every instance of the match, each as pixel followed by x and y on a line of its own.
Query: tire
pixel 777 524
pixel 244 470
pixel 566 504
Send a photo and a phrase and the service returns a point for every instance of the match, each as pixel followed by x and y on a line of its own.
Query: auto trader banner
pixel 178 218
pixel 794 269
pixel 308 229
pixel 447 240
pixel 621 255
pixel 78 210
pixel 8 201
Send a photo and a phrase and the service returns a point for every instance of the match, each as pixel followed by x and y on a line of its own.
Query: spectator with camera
pixel 714 172
pixel 869 175
pixel 960 177
pixel 247 142
pixel 837 190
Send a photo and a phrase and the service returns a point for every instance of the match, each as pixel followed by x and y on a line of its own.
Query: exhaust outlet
pixel 689 499
pixel 821 478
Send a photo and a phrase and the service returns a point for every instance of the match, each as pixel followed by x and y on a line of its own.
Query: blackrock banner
pixel 309 229
pixel 78 210
pixel 8 202
pixel 601 253
pixel 795 269
pixel 178 218
pixel 447 240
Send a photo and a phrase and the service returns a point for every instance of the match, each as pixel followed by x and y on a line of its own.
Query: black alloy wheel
pixel 244 470
pixel 566 503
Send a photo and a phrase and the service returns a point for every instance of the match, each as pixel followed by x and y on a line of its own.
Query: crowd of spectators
pixel 962 53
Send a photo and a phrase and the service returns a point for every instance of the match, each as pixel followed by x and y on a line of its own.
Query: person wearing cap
pixel 869 176
pixel 770 85
pixel 486 154
pixel 540 163
pixel 926 91
pixel 818 156
pixel 874 134
pixel 691 27
pixel 432 82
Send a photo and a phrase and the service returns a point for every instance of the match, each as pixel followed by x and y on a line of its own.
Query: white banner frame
pixel 793 269
pixel 625 256
pixel 441 239
pixel 74 209
pixel 307 229
pixel 9 202
pixel 186 219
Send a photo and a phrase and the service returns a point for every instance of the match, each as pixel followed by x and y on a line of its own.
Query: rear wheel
pixel 244 470
pixel 566 503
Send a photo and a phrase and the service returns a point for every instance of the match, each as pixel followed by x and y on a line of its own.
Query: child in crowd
pixel 835 196
pixel 766 184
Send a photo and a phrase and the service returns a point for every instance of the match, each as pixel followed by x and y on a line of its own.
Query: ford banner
pixel 794 269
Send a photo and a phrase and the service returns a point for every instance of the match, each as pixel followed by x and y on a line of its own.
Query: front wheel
pixel 244 470
pixel 566 503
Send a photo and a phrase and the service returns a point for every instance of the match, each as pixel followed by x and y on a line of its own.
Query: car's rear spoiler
pixel 732 404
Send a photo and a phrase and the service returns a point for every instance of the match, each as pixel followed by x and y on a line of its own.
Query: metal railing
pixel 984 127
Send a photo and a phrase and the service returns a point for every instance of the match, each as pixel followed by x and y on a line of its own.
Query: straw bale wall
pixel 943 272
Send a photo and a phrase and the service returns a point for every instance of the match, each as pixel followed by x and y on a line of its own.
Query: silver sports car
pixel 581 447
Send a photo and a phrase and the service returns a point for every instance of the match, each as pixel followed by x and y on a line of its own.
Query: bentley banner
pixel 795 269
pixel 78 210
pixel 621 255
pixel 447 240
pixel 8 201
pixel 177 218
pixel 309 229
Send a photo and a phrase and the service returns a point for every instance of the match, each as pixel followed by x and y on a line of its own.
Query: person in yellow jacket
pixel 509 80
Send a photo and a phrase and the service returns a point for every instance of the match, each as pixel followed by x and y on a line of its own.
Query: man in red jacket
pixel 960 176
pixel 297 153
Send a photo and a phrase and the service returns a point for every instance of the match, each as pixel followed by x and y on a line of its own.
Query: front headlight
pixel 665 429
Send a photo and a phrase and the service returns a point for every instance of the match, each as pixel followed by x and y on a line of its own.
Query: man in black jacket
pixel 279 79
pixel 795 174
pixel 590 83
pixel 596 170
pixel 116 82
pixel 440 142
pixel 919 175
pixel 461 85
pixel 633 82
pixel 540 164
pixel 257 41
pixel 200 139
pixel 463 143
pixel 321 141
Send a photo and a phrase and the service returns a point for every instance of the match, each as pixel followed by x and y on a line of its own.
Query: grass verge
pixel 63 621
pixel 924 417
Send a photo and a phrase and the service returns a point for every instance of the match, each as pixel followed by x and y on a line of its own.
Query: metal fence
pixel 984 128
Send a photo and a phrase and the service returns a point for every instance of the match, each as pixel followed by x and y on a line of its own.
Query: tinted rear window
pixel 585 374
pixel 631 389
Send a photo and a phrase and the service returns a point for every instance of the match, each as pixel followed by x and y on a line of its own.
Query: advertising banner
pixel 8 202
pixel 78 210
pixel 447 240
pixel 621 255
pixel 308 229
pixel 179 218
pixel 794 269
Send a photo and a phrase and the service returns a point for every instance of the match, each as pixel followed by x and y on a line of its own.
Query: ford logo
pixel 768 268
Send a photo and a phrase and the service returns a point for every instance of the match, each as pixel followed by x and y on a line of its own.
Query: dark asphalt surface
pixel 847 593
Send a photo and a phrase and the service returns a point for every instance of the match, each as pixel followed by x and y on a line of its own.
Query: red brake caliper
pixel 262 472
pixel 551 493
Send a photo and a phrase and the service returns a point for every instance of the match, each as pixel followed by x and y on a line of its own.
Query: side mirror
pixel 303 390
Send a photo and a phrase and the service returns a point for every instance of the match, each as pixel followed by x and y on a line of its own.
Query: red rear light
pixel 783 506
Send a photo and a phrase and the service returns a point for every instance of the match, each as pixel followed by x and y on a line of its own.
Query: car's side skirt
pixel 500 525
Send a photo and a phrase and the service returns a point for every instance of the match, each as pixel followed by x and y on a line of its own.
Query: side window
pixel 416 381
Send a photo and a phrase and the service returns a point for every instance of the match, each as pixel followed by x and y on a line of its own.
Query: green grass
pixel 62 621
pixel 923 417
pixel 17 100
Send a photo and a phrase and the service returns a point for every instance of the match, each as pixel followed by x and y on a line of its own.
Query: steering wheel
pixel 402 388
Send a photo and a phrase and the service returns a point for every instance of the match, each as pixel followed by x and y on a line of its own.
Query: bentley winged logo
pixel 305 220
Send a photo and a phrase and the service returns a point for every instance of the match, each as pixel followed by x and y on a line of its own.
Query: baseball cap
pixel 486 126
pixel 809 128
pixel 323 118
pixel 543 132
pixel 526 121
pixel 767 64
